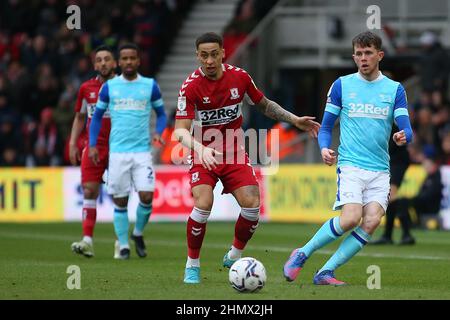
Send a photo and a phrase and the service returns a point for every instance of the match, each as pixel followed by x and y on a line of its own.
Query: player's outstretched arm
pixel 274 111
pixel 77 128
pixel 183 135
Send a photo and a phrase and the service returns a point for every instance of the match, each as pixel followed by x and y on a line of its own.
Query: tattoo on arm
pixel 274 111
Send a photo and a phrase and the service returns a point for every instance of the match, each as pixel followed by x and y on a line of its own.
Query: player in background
pixel 130 99
pixel 91 174
pixel 367 103
pixel 213 94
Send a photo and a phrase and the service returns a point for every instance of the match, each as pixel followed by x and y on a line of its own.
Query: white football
pixel 247 275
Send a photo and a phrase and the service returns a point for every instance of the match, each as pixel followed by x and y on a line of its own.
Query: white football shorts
pixel 126 169
pixel 356 185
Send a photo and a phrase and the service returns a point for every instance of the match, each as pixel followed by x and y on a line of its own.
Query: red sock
pixel 89 218
pixel 243 231
pixel 195 234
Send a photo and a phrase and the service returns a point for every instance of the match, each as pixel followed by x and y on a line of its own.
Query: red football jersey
pixel 216 104
pixel 86 100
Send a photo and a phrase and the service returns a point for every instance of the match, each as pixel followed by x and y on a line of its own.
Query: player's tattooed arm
pixel 273 110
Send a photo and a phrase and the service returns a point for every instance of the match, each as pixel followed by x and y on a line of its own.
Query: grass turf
pixel 34 259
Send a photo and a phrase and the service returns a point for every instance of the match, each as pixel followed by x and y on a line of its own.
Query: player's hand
pixel 399 138
pixel 74 155
pixel 328 156
pixel 308 124
pixel 157 139
pixel 208 158
pixel 93 155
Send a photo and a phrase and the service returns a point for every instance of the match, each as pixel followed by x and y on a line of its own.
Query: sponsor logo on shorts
pixel 195 177
pixel 347 194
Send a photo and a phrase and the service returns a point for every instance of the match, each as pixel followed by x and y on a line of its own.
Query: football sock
pixel 234 253
pixel 245 227
pixel 89 217
pixel 195 231
pixel 330 231
pixel 87 239
pixel 351 245
pixel 121 226
pixel 192 263
pixel 143 212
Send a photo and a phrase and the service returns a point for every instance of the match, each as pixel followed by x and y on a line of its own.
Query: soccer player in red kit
pixel 213 95
pixel 91 174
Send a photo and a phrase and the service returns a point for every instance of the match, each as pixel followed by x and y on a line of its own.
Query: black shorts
pixel 397 174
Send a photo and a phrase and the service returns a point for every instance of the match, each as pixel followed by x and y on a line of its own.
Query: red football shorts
pixel 91 172
pixel 233 176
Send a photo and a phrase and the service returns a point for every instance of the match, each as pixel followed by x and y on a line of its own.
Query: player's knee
pixel 250 202
pixel 370 225
pixel 350 222
pixel 203 202
pixel 90 193
pixel 121 202
pixel 146 197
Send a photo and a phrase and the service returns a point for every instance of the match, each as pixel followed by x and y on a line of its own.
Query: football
pixel 247 275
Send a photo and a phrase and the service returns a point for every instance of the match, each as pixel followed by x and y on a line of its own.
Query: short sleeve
pixel 185 105
pixel 80 104
pixel 103 97
pixel 252 91
pixel 156 98
pixel 334 98
pixel 401 102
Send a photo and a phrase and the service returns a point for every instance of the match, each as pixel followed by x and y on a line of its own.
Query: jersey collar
pixel 380 76
pixel 204 75
pixel 123 78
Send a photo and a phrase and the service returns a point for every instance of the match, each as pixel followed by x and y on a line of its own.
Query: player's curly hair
pixel 367 39
pixel 209 37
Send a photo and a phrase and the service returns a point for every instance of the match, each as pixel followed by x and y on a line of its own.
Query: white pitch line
pixel 33 236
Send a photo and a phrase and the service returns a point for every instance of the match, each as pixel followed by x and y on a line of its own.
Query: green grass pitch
pixel 34 259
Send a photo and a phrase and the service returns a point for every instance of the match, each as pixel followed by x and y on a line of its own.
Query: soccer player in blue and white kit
pixel 130 99
pixel 367 103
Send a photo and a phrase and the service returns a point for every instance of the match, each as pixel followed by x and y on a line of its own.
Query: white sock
pixel 137 233
pixel 87 239
pixel 234 253
pixel 192 262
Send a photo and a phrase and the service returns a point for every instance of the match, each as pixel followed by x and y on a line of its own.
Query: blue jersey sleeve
pixel 156 98
pixel 334 98
pixel 401 115
pixel 326 129
pixel 158 106
pixel 103 97
pixel 94 128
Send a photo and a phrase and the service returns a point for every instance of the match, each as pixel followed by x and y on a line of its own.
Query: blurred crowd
pixel 430 111
pixel 43 63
